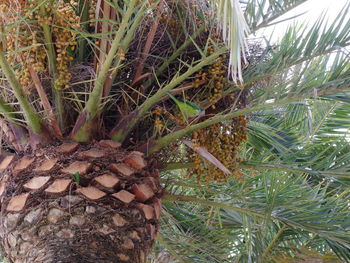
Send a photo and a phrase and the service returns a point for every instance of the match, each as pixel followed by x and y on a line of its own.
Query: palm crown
pixel 276 115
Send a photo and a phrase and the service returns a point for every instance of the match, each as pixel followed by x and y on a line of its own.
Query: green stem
pixel 279 167
pixel 91 108
pixel 48 42
pixel 121 131
pixel 176 166
pixel 274 241
pixel 166 140
pixel 84 14
pixel 195 185
pixel 51 54
pixel 183 198
pixel 94 98
pixel 29 112
pixel 124 46
pixel 252 166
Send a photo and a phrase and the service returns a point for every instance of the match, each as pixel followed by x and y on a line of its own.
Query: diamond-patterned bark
pixel 121 168
pixel 147 210
pixel 136 160
pixel 107 180
pixel 46 165
pixel 92 153
pixel 2 188
pixel 59 186
pixel 77 167
pixel 17 202
pixel 75 198
pixel 36 182
pixel 142 192
pixel 124 196
pixel 91 192
pixel 6 162
pixel 110 144
pixel 157 205
pixel 24 163
pixel 68 147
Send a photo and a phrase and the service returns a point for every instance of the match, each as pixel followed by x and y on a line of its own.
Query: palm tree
pixel 249 162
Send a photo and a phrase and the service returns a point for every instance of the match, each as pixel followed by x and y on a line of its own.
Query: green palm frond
pixel 263 13
pixel 267 135
pixel 336 123
pixel 302 45
pixel 200 242
pixel 269 204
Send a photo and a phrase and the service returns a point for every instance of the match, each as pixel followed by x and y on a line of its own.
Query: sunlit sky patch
pixel 311 11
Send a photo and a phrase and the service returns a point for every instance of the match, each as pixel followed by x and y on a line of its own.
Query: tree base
pixel 106 211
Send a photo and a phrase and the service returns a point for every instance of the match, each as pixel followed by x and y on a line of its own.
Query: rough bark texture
pixel 78 207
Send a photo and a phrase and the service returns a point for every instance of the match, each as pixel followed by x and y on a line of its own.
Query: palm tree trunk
pixel 76 203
